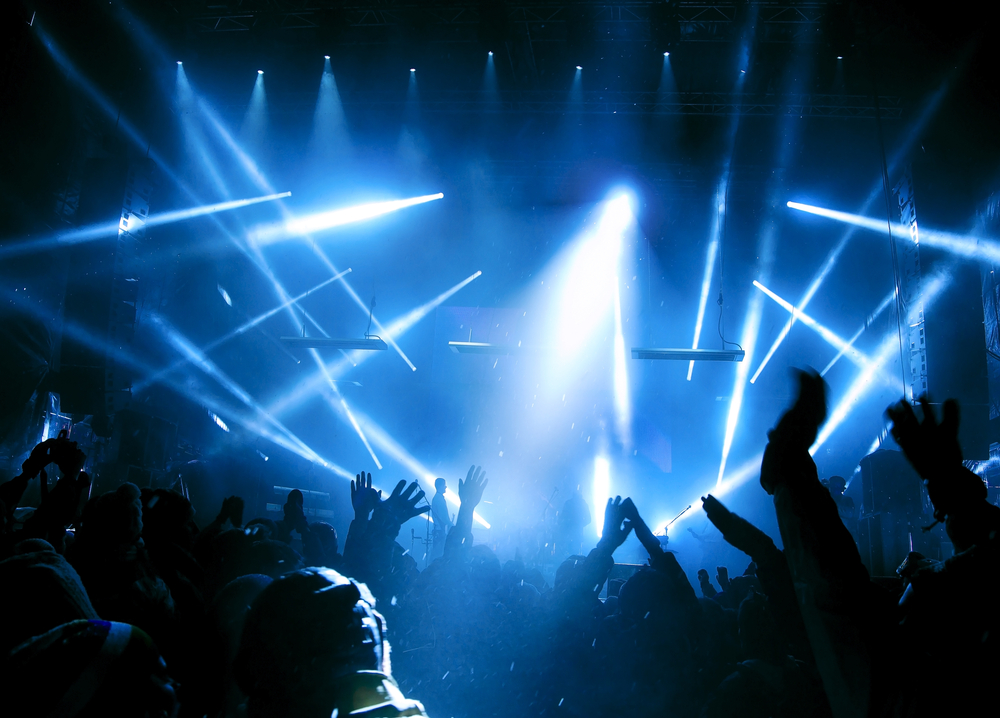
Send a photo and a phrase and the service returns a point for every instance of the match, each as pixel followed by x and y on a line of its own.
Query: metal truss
pixel 459 21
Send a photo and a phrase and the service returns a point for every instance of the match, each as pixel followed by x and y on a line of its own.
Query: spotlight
pixel 491 53
pixel 260 72
pixel 578 67
pixel 179 62
pixel 219 422
pixel 413 69
pixel 743 72
pixel 840 57
pixel 666 54
pixel 326 57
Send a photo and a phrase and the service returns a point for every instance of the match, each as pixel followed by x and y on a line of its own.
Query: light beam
pixel 831 337
pixel 706 280
pixel 243 328
pixel 308 386
pixel 960 245
pixel 929 109
pixel 887 350
pixel 885 303
pixel 322 221
pixel 623 417
pixel 96 231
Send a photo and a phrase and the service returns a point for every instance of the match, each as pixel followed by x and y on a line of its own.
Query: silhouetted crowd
pixel 120 605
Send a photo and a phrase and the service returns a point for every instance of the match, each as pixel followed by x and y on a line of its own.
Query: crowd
pixel 120 605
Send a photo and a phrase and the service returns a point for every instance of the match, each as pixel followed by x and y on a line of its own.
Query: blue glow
pixel 966 246
pixel 219 422
pixel 706 280
pixel 888 350
pixel 623 415
pixel 928 111
pixel 602 491
pixel 308 386
pixel 883 305
pixel 588 291
pixel 97 231
pixel 322 221
pixel 830 336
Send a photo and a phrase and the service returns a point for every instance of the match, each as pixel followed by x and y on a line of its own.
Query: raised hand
pixel 931 448
pixel 736 530
pixel 67 455
pixel 642 532
pixel 799 425
pixel 38 459
pixel 722 576
pixel 471 490
pixel 364 498
pixel 935 453
pixel 401 505
pixel 616 524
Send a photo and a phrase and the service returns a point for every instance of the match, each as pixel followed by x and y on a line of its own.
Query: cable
pixel 371 311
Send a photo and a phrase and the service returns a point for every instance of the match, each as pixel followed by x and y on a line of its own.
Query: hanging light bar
pixel 364 344
pixel 688 354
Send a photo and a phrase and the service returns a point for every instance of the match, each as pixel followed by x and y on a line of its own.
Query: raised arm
pixel 663 561
pixel 772 571
pixel 470 492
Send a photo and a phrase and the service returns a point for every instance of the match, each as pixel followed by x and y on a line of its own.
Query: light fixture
pixel 743 72
pixel 260 72
pixel 688 354
pixel 491 53
pixel 413 69
pixel 483 348
pixel 365 344
pixel 179 62
pixel 666 54
pixel 840 57
pixel 578 67
pixel 326 57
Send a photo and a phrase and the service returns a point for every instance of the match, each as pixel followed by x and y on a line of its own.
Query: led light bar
pixel 688 354
pixel 483 348
pixel 369 344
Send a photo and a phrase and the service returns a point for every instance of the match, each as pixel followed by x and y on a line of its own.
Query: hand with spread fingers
pixel 931 447
pixel 401 504
pixel 364 498
pixel 471 490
